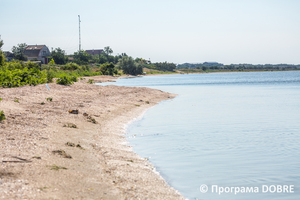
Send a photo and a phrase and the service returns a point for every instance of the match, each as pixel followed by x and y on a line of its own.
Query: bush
pixel 74 79
pixel 90 81
pixel 107 69
pixel 31 65
pixel 2 116
pixel 51 62
pixel 70 66
pixel 64 80
pixel 129 66
pixel 12 76
pixel 50 76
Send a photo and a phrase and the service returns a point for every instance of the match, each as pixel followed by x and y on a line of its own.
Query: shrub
pixel 50 76
pixel 74 79
pixel 70 66
pixel 17 74
pixel 49 99
pixel 107 69
pixel 31 65
pixel 2 116
pixel 51 62
pixel 64 80
pixel 90 81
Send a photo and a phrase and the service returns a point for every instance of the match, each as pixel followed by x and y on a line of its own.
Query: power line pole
pixel 79 34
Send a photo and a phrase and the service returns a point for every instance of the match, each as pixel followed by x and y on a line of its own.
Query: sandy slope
pixel 104 168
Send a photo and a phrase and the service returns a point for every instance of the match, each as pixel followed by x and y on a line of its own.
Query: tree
pixel 82 57
pixel 1 44
pixel 2 57
pixel 19 51
pixel 128 65
pixel 164 66
pixel 102 58
pixel 108 51
pixel 58 56
pixel 107 69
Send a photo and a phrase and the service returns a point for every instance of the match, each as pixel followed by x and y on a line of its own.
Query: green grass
pixel 56 168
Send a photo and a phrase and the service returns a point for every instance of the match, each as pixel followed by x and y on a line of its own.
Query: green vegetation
pixel 18 73
pixel 51 62
pixel 129 66
pixel 15 74
pixel 65 80
pixel 108 69
pixel 59 56
pixel 19 51
pixel 67 69
pixel 90 81
pixel 108 51
pixel 218 67
pixel 55 167
pixel 163 66
pixel 82 57
pixel 49 99
pixel 2 116
pixel 2 57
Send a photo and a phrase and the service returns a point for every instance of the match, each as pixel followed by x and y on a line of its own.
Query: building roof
pixel 94 51
pixel 32 51
pixel 34 47
pixel 8 54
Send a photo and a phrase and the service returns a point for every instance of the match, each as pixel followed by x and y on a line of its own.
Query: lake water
pixel 226 130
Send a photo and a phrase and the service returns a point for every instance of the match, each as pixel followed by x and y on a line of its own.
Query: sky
pixel 193 31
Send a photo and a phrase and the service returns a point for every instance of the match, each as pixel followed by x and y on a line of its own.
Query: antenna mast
pixel 79 34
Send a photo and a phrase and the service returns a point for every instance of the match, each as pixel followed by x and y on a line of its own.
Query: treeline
pixel 67 68
pixel 161 66
pixel 238 67
pixel 199 65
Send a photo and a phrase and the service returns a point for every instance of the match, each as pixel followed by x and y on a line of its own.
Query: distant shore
pixel 50 152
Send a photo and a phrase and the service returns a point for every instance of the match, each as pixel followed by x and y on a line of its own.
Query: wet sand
pixel 49 153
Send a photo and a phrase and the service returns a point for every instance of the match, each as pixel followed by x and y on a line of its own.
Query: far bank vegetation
pixel 67 68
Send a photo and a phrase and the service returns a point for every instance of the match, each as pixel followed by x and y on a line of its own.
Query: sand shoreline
pixel 39 157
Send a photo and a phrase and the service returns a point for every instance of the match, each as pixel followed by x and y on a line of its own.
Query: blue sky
pixel 226 31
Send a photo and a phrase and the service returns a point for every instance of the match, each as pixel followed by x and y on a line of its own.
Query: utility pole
pixel 79 34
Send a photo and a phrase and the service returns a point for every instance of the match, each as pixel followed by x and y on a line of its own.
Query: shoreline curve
pixel 48 152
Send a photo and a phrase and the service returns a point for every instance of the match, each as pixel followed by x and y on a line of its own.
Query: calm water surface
pixel 225 129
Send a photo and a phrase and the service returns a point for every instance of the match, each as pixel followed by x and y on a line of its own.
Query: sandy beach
pixel 49 151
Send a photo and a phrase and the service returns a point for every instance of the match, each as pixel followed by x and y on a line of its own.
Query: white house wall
pixel 41 56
